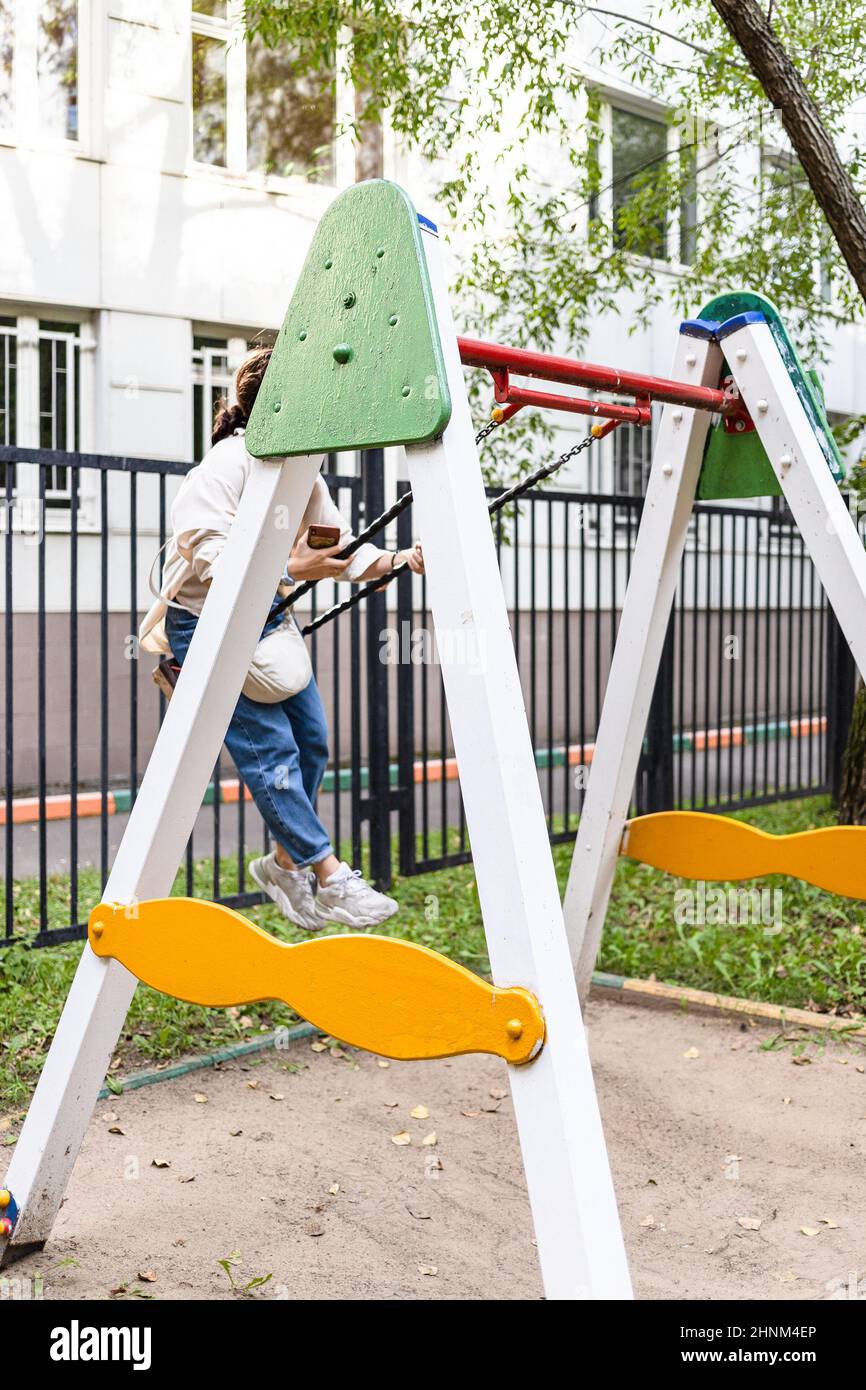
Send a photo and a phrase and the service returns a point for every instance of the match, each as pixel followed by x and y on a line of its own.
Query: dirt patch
pixel 314 1192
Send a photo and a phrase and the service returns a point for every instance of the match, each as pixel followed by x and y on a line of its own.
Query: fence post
pixel 658 756
pixel 841 675
pixel 378 799
pixel 405 700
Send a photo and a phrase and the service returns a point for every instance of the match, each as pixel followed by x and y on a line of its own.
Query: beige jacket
pixel 201 517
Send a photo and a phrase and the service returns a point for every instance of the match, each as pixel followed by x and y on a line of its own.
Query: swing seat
pixel 695 844
pixel 376 992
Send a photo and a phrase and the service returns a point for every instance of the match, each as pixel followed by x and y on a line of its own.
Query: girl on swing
pixel 278 735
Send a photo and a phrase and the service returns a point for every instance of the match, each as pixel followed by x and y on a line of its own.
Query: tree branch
pixel 781 80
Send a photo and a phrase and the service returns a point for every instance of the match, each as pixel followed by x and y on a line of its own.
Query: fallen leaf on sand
pixel 419 1215
pixel 401 1138
pixel 334 1188
pixel 318 1047
pixel 390 1104
pixel 829 1223
pixel 382 1063
pixel 315 1228
pixel 691 1054
pixel 749 1223
pixel 159 1163
pixel 147 1276
pixel 115 1129
pixel 276 1095
pixel 430 1139
pixel 810 1230
pixel 200 1098
pixel 253 1085
pixel 498 1093
pixel 429 1270
pixel 235 1133
pixel 471 1114
pixel 648 1221
pixel 420 1112
pixel 802 1061
pixel 786 1100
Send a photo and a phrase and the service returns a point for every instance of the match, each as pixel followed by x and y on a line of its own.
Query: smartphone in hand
pixel 321 537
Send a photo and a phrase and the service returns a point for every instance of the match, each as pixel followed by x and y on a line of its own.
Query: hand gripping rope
pixel 380 522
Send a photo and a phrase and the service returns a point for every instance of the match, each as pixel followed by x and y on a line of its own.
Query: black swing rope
pixel 495 505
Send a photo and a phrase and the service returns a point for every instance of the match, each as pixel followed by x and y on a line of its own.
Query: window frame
pixel 774 158
pixel 24 128
pixel 233 344
pixel 29 335
pixel 610 100
pixel 230 31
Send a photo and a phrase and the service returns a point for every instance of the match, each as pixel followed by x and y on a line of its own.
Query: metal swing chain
pixel 376 525
pixel 494 506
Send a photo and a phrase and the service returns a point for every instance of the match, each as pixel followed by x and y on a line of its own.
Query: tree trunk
pixel 837 198
pixel 834 192
pixel 852 793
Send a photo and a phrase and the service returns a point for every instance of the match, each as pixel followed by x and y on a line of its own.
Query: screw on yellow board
pixel 693 844
pixel 388 996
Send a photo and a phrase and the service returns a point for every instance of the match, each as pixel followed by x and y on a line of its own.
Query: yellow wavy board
pixel 693 844
pixel 387 996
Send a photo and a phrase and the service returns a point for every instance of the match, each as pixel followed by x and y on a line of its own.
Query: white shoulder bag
pixel 281 665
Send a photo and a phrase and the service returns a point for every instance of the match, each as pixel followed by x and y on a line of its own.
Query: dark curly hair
pixel 247 382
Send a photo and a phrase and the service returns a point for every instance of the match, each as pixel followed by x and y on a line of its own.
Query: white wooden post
pixel 159 826
pixel 646 609
pixel 810 490
pixel 570 1189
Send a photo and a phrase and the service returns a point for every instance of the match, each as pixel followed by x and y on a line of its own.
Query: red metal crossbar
pixel 500 360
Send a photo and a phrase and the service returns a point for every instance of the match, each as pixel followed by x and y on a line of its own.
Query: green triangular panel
pixel 357 363
pixel 736 465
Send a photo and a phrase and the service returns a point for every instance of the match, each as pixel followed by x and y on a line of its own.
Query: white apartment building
pixel 160 181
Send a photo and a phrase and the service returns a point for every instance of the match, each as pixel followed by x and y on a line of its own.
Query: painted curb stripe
pixel 651 991
pixel 25 809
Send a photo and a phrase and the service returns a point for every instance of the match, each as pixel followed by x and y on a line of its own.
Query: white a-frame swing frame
pixel 570 1189
pixel 827 527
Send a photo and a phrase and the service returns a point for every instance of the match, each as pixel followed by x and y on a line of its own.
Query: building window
pixel 46 402
pixel 59 402
pixel 251 110
pixel 57 68
pixel 208 100
pixel 785 189
pixel 639 147
pixel 632 457
pixel 7 65
pixel 290 117
pixel 39 69
pixel 688 204
pixel 212 379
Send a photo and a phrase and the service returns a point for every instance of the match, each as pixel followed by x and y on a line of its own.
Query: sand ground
pixel 286 1166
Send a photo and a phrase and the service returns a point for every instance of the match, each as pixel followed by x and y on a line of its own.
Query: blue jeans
pixel 280 752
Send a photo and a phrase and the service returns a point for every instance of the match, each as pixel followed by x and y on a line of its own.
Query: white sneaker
pixel 347 897
pixel 290 889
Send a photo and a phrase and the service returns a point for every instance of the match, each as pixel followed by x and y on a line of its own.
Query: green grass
pixel 817 959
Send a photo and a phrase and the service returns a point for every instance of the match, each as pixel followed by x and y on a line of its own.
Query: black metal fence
pixel 751 704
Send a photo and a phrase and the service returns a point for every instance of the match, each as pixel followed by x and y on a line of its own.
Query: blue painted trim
pixel 738 321
pixel 699 328
pixel 427 224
